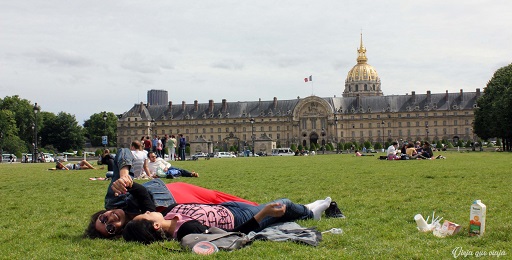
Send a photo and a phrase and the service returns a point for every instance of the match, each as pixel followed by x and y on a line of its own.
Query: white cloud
pixel 111 52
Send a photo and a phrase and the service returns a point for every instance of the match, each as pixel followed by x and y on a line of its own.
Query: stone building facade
pixel 362 114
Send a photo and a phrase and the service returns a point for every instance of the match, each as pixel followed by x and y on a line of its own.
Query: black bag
pixel 224 240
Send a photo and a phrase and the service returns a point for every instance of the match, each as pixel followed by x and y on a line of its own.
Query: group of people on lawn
pixel 411 151
pixel 156 211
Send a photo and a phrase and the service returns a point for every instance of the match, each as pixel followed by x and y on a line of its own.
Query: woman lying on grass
pixel 82 165
pixel 125 199
pixel 179 220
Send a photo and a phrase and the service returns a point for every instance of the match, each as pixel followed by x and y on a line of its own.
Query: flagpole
pixel 311 80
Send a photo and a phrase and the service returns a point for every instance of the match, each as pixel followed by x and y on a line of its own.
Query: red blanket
pixel 188 193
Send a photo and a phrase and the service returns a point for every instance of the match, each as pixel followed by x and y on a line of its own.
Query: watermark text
pixel 461 252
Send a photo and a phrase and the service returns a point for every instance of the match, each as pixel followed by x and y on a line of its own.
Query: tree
pixel 10 141
pixel 23 114
pixel 95 127
pixel 63 132
pixel 492 117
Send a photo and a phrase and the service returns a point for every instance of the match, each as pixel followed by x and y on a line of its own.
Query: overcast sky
pixel 84 57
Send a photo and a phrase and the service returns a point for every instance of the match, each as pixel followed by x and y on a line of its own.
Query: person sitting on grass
pixel 392 153
pixel 178 221
pixel 412 153
pixel 167 171
pixel 82 165
pixel 426 151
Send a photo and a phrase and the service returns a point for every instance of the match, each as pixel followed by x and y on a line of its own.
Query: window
pixel 227 129
pixel 361 125
pixel 454 122
pixel 262 129
pixel 269 128
pixel 219 130
pixel 444 122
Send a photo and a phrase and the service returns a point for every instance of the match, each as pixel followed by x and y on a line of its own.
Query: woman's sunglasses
pixel 111 229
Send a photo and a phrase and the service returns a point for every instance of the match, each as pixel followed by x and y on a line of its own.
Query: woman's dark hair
pixel 90 231
pixel 142 231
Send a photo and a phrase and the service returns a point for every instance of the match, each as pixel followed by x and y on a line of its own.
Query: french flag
pixel 310 78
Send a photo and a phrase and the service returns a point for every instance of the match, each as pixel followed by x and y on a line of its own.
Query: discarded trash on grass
pixel 423 224
pixel 336 231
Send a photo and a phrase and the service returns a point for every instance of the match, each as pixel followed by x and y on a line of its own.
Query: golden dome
pixel 362 78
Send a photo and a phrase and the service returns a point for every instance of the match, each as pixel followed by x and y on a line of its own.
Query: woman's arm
pixel 142 196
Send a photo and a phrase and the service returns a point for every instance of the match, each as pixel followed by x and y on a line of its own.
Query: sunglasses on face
pixel 110 228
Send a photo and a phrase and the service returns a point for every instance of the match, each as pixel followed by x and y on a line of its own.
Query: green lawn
pixel 45 212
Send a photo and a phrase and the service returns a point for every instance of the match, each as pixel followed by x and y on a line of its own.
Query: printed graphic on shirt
pixel 208 215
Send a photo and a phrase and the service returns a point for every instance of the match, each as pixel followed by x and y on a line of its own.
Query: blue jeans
pixel 243 212
pixel 159 192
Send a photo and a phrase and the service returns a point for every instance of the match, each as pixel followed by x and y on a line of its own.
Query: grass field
pixel 45 212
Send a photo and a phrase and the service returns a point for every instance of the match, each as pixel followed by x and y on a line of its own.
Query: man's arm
pixel 125 181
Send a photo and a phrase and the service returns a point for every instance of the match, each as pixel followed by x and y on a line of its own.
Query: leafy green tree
pixel 95 127
pixel 23 113
pixel 10 141
pixel 63 132
pixel 493 117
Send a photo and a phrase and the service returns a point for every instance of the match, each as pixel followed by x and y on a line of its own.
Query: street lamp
pixel 36 111
pixel 105 128
pixel 426 130
pixel 383 141
pixel 336 127
pixel 252 134
pixel 1 149
pixel 323 141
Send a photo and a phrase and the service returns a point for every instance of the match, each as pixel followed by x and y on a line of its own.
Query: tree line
pixel 55 132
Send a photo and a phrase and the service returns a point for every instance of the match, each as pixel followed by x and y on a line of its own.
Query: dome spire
pixel 361 58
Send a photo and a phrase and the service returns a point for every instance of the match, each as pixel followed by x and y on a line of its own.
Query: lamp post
pixel 252 134
pixel 383 136
pixel 36 111
pixel 336 127
pixel 426 130
pixel 105 128
pixel 1 149
pixel 323 141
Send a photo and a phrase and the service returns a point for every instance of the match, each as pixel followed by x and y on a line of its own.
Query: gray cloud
pixel 59 58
